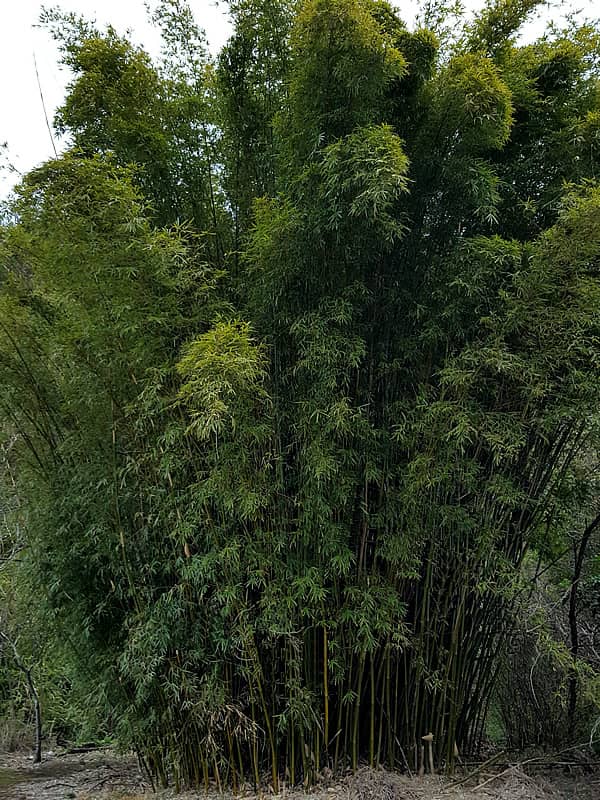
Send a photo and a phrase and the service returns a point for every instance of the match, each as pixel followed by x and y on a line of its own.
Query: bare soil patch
pixel 103 775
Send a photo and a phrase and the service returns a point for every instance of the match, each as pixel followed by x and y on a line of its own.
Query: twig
pixel 402 753
pixel 69 785
pixel 478 771
pixel 493 777
pixel 551 758
pixel 85 749
pixel 547 759
pixel 115 778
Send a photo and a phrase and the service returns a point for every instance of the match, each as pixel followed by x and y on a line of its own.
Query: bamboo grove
pixel 299 349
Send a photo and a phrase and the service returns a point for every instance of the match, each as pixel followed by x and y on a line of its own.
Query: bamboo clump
pixel 283 464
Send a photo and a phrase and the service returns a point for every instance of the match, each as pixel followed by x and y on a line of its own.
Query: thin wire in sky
pixel 37 75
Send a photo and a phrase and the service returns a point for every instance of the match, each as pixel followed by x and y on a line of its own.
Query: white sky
pixel 22 123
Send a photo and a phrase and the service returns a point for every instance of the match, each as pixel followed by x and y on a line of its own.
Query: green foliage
pixel 222 371
pixel 471 108
pixel 299 367
pixel 343 65
pixel 496 26
pixel 251 86
pixel 158 118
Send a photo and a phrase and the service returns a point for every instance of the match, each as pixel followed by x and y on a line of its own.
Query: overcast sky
pixel 22 123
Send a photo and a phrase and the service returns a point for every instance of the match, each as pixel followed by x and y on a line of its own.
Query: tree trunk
pixel 579 555
pixel 35 699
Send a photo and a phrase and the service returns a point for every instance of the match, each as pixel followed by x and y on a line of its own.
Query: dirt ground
pixel 102 775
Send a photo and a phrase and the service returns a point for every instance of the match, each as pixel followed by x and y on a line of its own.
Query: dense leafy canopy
pixel 298 368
